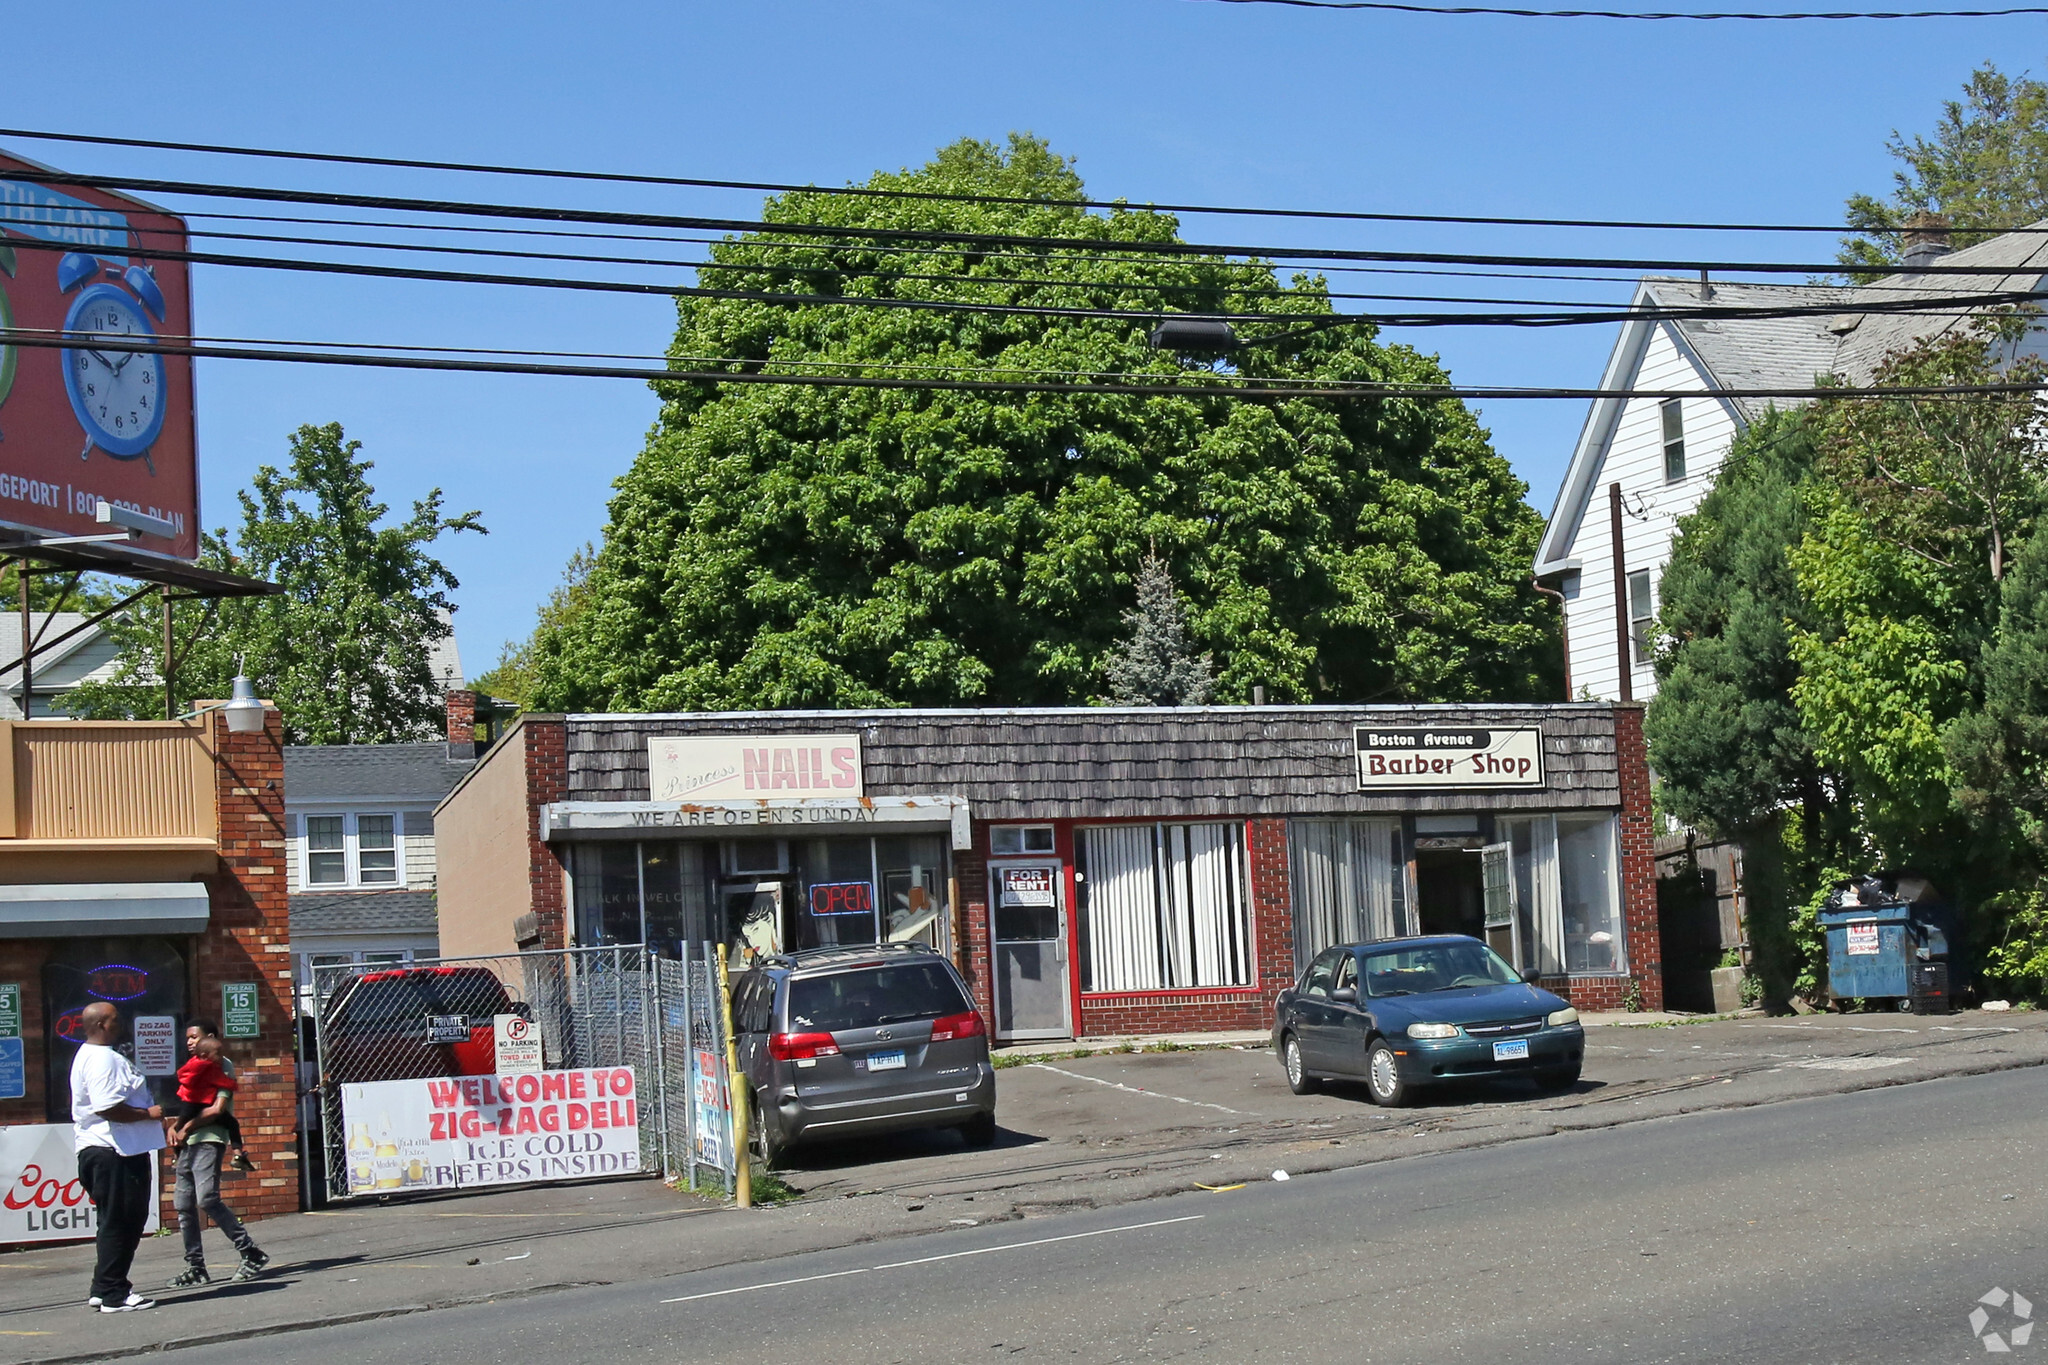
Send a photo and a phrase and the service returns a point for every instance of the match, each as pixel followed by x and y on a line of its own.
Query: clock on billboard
pixel 117 395
pixel 91 419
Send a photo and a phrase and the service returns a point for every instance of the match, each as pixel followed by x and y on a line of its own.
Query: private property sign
pixel 732 767
pixel 463 1131
pixel 1399 757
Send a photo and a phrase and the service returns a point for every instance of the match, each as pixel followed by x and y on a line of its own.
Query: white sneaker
pixel 93 1302
pixel 133 1303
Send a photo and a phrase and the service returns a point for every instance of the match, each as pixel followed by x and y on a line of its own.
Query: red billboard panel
pixel 89 421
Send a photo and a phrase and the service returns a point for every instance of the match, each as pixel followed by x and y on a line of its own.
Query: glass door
pixel 1028 942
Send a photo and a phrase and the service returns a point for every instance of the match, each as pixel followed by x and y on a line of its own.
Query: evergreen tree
pixel 1157 665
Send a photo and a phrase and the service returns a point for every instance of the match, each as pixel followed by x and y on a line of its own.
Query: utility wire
pixel 852 232
pixel 1393 7
pixel 870 192
pixel 1910 304
pixel 1245 388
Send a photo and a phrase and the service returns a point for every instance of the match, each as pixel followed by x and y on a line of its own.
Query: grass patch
pixel 771 1188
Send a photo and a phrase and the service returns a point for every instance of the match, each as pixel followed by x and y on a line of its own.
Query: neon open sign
pixel 842 898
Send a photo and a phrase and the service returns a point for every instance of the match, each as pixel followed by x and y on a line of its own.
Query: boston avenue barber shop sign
pixel 1399 757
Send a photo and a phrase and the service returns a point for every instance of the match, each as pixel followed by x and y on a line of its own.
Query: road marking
pixel 1859 1028
pixel 1973 1028
pixel 929 1260
pixel 1135 1090
pixel 1848 1063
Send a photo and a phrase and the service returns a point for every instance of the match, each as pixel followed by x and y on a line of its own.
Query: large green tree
pixel 344 650
pixel 779 546
pixel 1986 164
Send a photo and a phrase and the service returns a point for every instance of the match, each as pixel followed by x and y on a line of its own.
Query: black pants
pixel 119 1188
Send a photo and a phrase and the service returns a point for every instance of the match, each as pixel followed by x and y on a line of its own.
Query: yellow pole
pixel 743 1175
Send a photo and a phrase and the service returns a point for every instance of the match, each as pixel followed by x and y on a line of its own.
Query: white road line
pixel 1973 1028
pixel 1134 1090
pixel 947 1256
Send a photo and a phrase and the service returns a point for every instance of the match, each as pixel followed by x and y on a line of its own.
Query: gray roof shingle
pixel 364 912
pixel 338 772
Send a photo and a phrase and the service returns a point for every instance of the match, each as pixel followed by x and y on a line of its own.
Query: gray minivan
pixel 855 1041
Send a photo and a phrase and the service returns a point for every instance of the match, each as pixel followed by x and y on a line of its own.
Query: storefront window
pixel 607 880
pixel 144 976
pixel 836 882
pixel 912 870
pixel 1592 915
pixel 1534 853
pixel 1349 884
pixel 1163 907
pixel 674 897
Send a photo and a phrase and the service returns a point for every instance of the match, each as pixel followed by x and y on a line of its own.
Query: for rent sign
pixel 728 767
pixel 40 1197
pixel 1397 757
pixel 453 1133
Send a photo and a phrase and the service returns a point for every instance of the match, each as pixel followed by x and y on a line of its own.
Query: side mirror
pixel 1533 976
pixel 1345 995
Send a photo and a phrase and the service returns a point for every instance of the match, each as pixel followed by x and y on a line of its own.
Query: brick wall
pixel 461 708
pixel 547 780
pixel 21 960
pixel 971 925
pixel 249 940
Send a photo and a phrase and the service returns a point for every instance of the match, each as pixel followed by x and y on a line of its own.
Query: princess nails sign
pixel 735 767
pixel 1401 758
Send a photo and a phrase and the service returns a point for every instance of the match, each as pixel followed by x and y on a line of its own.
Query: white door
pixel 1028 948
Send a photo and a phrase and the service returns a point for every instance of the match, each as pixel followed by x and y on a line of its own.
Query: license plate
pixel 893 1061
pixel 1516 1051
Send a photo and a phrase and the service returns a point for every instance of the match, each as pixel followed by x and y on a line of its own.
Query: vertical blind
pixel 1163 907
pixel 1349 881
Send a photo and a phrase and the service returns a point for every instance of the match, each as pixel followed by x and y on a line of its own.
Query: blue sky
pixel 1166 100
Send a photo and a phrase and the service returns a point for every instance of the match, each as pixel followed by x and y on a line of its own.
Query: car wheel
pixel 1298 1079
pixel 1558 1077
pixel 766 1139
pixel 1383 1077
pixel 980 1130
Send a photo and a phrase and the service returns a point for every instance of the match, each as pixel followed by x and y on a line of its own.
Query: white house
pixel 1642 463
pixel 89 654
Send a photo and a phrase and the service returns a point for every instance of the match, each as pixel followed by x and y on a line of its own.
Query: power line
pixel 852 232
pixel 1246 388
pixel 1320 321
pixel 1393 7
pixel 871 192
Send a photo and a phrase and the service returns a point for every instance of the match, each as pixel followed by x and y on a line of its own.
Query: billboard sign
pixel 1400 757
pixel 733 767
pixel 40 1197
pixel 83 422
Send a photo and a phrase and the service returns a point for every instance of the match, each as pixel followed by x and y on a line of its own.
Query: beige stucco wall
pixel 480 844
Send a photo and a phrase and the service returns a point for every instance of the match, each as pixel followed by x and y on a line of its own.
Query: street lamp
pixel 243 710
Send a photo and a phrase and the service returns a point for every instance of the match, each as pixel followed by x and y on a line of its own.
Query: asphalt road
pixel 1851 1227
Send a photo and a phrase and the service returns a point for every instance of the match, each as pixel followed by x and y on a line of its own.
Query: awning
pixel 103 909
pixel 613 820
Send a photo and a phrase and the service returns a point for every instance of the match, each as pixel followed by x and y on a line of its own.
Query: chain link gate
pixel 595 1010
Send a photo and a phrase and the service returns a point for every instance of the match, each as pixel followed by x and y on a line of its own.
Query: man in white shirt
pixel 118 1133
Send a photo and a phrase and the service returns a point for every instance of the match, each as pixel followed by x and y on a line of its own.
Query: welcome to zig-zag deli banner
pixel 461 1131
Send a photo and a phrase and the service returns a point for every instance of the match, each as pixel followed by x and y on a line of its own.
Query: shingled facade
pixel 1094 871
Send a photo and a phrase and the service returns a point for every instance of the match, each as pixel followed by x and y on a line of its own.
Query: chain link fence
pixel 458 1072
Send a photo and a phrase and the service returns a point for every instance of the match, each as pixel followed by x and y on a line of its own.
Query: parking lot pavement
pixel 1081 1132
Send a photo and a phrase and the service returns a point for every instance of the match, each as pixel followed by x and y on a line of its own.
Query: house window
pixel 1008 839
pixel 326 850
pixel 1673 412
pixel 1163 907
pixel 353 850
pixel 1642 617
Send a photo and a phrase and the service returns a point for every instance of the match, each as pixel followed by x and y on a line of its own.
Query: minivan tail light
pixel 801 1047
pixel 966 1025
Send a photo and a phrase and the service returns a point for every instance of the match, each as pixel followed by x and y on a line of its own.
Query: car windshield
pixel 874 995
pixel 1435 967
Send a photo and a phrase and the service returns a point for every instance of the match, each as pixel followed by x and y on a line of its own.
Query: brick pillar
pixel 1638 858
pixel 460 705
pixel 547 779
pixel 971 947
pixel 1272 908
pixel 248 940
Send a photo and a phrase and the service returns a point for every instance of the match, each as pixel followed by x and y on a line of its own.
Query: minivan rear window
pixel 874 995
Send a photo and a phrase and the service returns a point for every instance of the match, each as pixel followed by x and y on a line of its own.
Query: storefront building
pixel 141 862
pixel 1094 871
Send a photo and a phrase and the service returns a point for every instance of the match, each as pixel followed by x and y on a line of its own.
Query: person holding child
pixel 203 1127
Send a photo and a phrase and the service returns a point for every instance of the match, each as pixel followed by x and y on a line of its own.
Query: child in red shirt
pixel 200 1081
